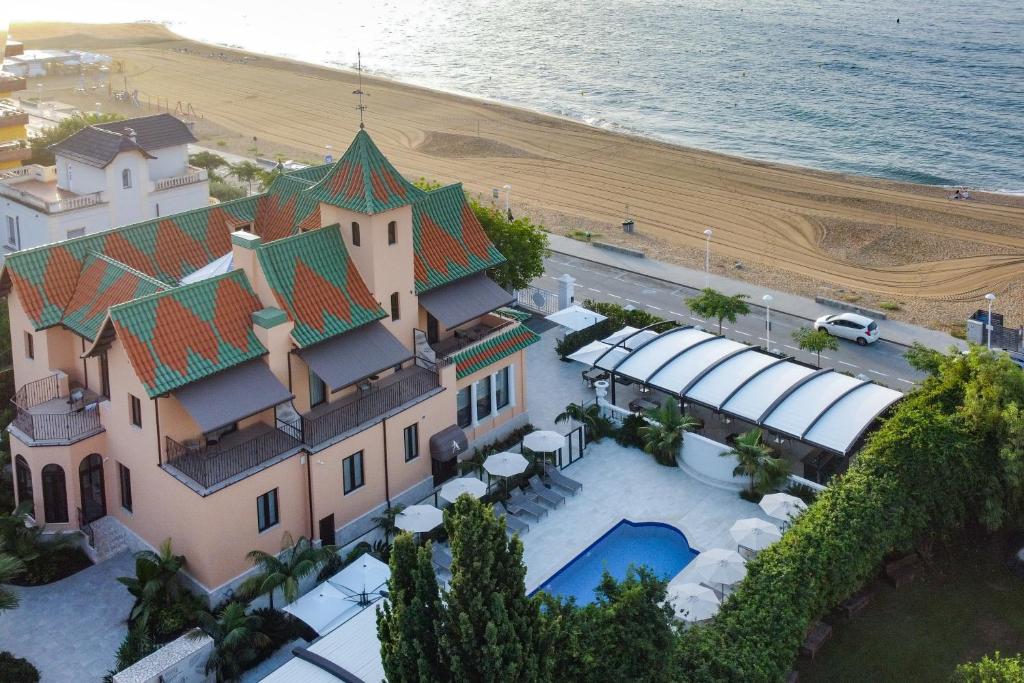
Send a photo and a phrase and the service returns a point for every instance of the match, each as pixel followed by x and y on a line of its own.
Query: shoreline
pixel 802 229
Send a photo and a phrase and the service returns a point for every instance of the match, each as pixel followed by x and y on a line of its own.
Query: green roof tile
pixel 103 283
pixel 489 351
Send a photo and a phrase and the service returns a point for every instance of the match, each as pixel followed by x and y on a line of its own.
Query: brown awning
pixel 448 444
pixel 352 356
pixel 464 300
pixel 231 395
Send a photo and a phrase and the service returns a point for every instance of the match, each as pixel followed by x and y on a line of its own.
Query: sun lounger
pixel 441 557
pixel 545 494
pixel 518 502
pixel 560 481
pixel 512 523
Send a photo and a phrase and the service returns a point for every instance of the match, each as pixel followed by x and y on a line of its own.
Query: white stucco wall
pixel 169 162
pixel 702 457
pixel 178 199
pixel 128 205
pixel 84 178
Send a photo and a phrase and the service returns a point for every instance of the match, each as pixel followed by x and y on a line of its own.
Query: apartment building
pixel 104 175
pixel 13 144
pixel 291 361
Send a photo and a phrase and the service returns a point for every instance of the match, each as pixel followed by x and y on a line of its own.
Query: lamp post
pixel 767 299
pixel 988 322
pixel 508 198
pixel 707 258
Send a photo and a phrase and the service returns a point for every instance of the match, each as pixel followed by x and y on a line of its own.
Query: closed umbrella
pixel 754 533
pixel 463 485
pixel 782 506
pixel 693 602
pixel 419 518
pixel 721 566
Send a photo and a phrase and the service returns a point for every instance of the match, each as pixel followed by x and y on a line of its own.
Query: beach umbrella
pixel 419 518
pixel 463 485
pixel 589 353
pixel 719 565
pixel 362 580
pixel 544 441
pixel 576 318
pixel 782 506
pixel 506 464
pixel 692 601
pixel 754 533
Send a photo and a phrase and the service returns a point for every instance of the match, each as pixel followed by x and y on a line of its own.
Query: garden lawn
pixel 967 603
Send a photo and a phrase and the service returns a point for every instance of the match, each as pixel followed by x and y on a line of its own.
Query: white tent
pixel 576 318
pixel 211 269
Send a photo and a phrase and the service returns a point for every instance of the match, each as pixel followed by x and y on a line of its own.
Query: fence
pixel 537 299
pixel 209 466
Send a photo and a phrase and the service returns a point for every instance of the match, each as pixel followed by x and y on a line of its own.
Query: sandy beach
pixel 860 239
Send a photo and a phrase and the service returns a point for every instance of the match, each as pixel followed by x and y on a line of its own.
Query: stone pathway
pixel 71 629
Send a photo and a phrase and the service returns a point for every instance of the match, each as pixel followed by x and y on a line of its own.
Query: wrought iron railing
pixel 458 342
pixel 537 299
pixel 212 465
pixel 67 422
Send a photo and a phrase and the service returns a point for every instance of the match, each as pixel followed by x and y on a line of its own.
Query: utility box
pixel 1007 338
pixel 628 226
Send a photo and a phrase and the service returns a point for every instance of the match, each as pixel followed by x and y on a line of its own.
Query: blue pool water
pixel 660 547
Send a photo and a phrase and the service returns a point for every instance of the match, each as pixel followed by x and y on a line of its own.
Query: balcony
pixel 465 337
pixel 212 466
pixel 190 177
pixel 13 151
pixel 11 83
pixel 372 402
pixel 24 188
pixel 50 414
pixel 11 115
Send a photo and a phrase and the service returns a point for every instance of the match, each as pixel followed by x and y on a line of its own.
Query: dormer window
pixel 392 232
pixel 126 179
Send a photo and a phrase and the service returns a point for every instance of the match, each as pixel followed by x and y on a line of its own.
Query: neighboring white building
pixel 104 176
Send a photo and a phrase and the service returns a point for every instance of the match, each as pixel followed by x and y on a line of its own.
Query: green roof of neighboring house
pixel 515 314
pixel 364 180
pixel 103 283
pixel 316 283
pixel 489 351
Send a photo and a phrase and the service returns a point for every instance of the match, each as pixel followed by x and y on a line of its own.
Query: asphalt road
pixel 882 361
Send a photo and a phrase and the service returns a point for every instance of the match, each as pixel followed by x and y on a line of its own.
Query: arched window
pixel 355 234
pixel 23 481
pixel 392 232
pixel 55 495
pixel 126 179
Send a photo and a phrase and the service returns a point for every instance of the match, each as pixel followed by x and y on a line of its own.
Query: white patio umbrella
pixel 544 441
pixel 754 533
pixel 362 580
pixel 506 464
pixel 693 602
pixel 457 487
pixel 719 565
pixel 576 317
pixel 589 353
pixel 419 518
pixel 782 506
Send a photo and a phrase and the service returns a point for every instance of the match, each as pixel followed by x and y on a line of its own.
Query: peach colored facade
pixel 214 526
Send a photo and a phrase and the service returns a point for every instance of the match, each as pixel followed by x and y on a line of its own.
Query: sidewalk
pixel 893 331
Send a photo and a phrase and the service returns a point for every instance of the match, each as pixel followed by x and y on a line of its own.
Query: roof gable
pixel 98 144
pixel 316 283
pixel 285 208
pixel 364 180
pixel 103 283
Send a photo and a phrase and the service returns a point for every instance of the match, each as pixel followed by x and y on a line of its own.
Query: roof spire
pixel 359 91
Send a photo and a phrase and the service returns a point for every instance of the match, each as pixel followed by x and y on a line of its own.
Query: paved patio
pixel 71 629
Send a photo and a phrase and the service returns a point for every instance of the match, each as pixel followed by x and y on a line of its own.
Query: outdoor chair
pixel 441 557
pixel 560 481
pixel 511 523
pixel 545 494
pixel 518 502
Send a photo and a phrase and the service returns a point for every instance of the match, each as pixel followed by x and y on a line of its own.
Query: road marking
pixel 791 347
pixel 905 381
pixel 681 315
pixel 591 289
pixel 692 317
pixel 825 358
pixel 745 334
pixel 614 295
pixel 725 329
pixel 843 362
pixel 634 301
pixel 654 307
pixel 878 373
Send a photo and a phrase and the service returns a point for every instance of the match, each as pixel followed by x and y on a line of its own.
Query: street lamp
pixel 767 299
pixel 707 258
pixel 508 198
pixel 988 322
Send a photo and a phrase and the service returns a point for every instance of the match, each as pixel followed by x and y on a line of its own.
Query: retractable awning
pixel 231 395
pixel 448 444
pixel 352 356
pixel 463 300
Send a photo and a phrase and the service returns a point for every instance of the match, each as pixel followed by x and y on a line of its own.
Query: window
pixel 30 345
pixel 501 394
pixel 125 476
pixel 12 231
pixel 483 398
pixel 411 437
pixel 395 313
pixel 355 234
pixel 135 407
pixel 463 410
pixel 104 375
pixel 67 174
pixel 75 232
pixel 23 481
pixel 317 389
pixel 55 495
pixel 126 179
pixel 352 472
pixel 392 232
pixel 266 510
pixel 158 209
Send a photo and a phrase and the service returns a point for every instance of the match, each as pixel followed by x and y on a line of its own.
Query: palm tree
pixel 155 584
pixel 285 570
pixel 236 640
pixel 711 303
pixel 10 567
pixel 757 461
pixel 386 521
pixel 664 439
pixel 594 424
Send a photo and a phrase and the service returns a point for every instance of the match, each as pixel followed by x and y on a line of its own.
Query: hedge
pixel 617 318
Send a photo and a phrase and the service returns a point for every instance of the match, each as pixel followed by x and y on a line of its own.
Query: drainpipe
pixel 387 483
pixel 156 407
pixel 85 364
pixel 309 493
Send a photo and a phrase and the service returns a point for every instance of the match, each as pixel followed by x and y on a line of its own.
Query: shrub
pixel 17 670
pixel 803 492
pixel 889 306
pixel 617 318
pixel 628 434
pixel 225 191
pixel 994 669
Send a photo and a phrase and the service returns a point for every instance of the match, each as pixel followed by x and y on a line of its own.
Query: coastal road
pixel 882 362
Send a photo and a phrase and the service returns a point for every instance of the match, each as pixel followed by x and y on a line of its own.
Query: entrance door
pixel 327 530
pixel 90 479
pixel 443 471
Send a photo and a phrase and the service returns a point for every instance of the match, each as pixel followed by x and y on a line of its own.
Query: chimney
pixel 130 134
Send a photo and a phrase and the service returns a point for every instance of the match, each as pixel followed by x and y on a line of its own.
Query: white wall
pixel 178 199
pixel 702 457
pixel 169 162
pixel 84 178
pixel 128 205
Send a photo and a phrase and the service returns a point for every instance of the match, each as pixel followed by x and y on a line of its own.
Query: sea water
pixel 928 91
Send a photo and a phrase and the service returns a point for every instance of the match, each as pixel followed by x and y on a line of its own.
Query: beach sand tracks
pixel 453 146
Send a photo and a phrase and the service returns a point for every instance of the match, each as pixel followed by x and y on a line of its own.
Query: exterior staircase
pixel 108 538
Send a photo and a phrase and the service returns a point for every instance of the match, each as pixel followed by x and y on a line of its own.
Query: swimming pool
pixel 662 548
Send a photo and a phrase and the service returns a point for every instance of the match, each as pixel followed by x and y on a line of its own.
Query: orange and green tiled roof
pixel 176 337
pixel 285 208
pixel 316 283
pixel 491 350
pixel 364 180
pixel 311 174
pixel 449 242
pixel 103 283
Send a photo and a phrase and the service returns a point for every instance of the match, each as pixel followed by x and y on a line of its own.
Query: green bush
pixel 225 192
pixel 628 434
pixel 617 318
pixel 16 670
pixel 994 669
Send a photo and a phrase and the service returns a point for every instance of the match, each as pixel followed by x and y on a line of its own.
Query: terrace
pixel 50 413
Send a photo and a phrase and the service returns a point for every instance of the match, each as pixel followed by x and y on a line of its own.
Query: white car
pixel 850 326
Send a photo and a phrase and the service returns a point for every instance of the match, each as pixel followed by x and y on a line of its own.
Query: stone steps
pixel 108 536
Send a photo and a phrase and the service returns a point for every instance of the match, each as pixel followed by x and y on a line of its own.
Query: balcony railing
pixel 44 415
pixel 14 151
pixel 9 83
pixel 466 338
pixel 210 465
pixel 59 206
pixel 11 114
pixel 194 175
pixel 329 421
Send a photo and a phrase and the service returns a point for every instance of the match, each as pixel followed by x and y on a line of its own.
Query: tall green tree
pixel 236 640
pixel 67 127
pixel 711 303
pixel 209 161
pixel 523 244
pixel 410 621
pixel 387 521
pixel 10 568
pixel 815 341
pixel 757 462
pixel 284 571
pixel 664 439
